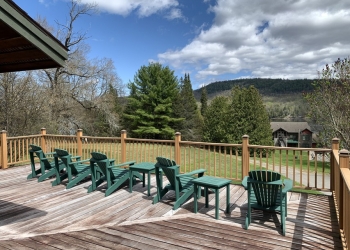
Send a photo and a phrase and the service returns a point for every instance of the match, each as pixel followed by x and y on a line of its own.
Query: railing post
pixel 3 139
pixel 245 156
pixel 343 163
pixel 335 147
pixel 123 145
pixel 80 142
pixel 43 139
pixel 177 148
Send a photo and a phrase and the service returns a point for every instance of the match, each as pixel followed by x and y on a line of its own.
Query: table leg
pixel 143 181
pixel 148 183
pixel 195 198
pixel 131 174
pixel 206 197
pixel 228 198
pixel 216 203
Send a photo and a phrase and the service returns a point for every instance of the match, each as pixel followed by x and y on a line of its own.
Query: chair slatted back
pixel 61 152
pixel 102 162
pixel 40 154
pixel 267 187
pixel 64 156
pixel 170 169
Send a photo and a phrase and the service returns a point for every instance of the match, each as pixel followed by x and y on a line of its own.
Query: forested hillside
pixel 265 86
pixel 282 98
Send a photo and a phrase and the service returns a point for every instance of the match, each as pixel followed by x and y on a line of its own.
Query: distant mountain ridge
pixel 266 86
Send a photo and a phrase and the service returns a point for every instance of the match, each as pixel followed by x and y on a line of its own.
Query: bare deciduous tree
pixel 78 93
pixel 330 102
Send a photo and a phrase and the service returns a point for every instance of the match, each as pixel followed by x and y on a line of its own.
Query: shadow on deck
pixel 37 216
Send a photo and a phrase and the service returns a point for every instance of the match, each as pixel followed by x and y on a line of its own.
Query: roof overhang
pixel 24 44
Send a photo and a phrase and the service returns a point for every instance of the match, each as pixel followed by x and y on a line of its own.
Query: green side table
pixel 143 167
pixel 215 184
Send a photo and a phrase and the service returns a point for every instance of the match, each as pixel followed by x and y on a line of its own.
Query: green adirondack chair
pixel 113 174
pixel 266 191
pixel 180 183
pixel 76 170
pixel 47 167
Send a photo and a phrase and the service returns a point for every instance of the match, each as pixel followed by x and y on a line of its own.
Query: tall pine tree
pixel 215 127
pixel 249 116
pixel 149 112
pixel 187 108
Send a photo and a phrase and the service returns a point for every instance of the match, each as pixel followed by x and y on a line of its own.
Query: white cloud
pixel 285 39
pixel 143 8
pixel 175 13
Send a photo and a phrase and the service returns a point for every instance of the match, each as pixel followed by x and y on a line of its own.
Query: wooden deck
pixel 37 216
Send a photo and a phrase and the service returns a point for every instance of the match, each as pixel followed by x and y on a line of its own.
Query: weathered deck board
pixel 38 216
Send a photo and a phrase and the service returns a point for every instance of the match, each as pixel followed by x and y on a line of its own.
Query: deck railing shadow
pixel 17 213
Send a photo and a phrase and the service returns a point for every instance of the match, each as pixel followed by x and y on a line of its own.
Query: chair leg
pixel 248 217
pixel 97 183
pixel 117 184
pixel 78 178
pixel 183 198
pixel 283 222
pixel 34 174
pixel 48 174
pixel 59 179
pixel 157 198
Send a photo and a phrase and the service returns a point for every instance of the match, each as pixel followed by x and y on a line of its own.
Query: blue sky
pixel 212 40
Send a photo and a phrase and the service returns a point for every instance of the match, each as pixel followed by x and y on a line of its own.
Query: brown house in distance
pixel 292 134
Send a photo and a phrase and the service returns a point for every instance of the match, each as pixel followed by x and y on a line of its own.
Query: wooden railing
pixel 341 191
pixel 308 167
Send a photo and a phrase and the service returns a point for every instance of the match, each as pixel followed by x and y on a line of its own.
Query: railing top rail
pixel 102 138
pixel 148 140
pixel 23 137
pixel 291 148
pixel 210 143
pixel 69 136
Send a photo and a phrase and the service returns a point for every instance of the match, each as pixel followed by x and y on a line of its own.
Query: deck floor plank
pixel 38 216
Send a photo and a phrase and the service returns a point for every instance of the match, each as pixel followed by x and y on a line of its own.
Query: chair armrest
pixel 76 157
pixel 245 182
pixel 79 162
pixel 198 171
pixel 50 153
pixel 288 185
pixel 122 164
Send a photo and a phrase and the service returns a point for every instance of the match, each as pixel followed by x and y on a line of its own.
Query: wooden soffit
pixel 24 44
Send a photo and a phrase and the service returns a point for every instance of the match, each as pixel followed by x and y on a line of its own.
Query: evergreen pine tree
pixel 215 127
pixel 228 119
pixel 191 126
pixel 249 116
pixel 149 112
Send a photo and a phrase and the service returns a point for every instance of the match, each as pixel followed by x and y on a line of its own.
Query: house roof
pixel 24 44
pixel 290 127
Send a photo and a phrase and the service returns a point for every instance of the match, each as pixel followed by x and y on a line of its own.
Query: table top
pixel 143 166
pixel 210 181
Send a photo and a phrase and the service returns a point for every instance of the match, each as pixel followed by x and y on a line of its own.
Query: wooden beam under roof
pixel 24 44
